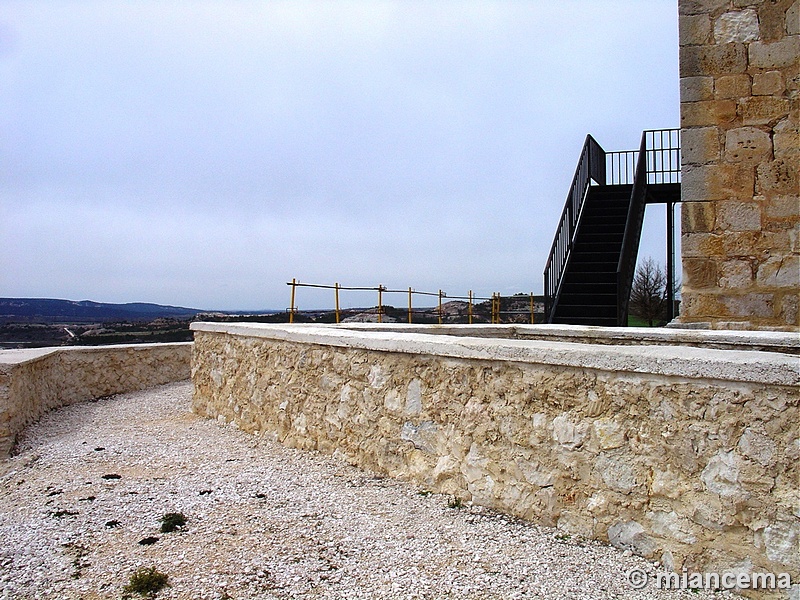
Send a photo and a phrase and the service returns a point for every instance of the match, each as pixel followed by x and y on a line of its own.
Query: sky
pixel 205 153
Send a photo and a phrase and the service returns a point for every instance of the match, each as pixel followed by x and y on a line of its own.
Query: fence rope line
pixel 495 298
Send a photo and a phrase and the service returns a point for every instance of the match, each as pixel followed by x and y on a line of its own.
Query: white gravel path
pixel 263 521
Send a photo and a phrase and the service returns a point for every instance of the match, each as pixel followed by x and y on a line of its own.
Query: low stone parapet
pixel 685 454
pixel 37 380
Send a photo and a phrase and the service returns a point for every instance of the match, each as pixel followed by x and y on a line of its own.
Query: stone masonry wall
pixel 35 381
pixel 740 110
pixel 698 473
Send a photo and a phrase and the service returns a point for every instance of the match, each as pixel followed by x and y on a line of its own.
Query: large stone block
pixel 736 274
pixel 732 86
pixel 698 217
pixel 694 30
pixel 739 216
pixel 770 83
pixel 742 244
pixel 704 7
pixel 748 305
pixel 772 17
pixel 699 184
pixel 786 140
pixel 722 59
pixel 699 273
pixel 790 309
pixel 700 145
pixel 773 55
pixel 763 110
pixel 699 245
pixel 747 145
pixel 711 113
pixel 777 177
pixel 696 89
pixel 736 26
pixel 782 207
pixel 718 182
pixel 780 273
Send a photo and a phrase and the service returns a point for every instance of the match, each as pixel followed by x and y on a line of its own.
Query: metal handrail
pixel 591 166
pixel 658 162
pixel 496 299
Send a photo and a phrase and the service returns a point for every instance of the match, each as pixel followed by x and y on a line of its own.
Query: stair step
pixel 605 260
pixel 607 312
pixel 596 321
pixel 570 289
pixel 603 246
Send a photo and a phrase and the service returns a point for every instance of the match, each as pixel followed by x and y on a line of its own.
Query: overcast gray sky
pixel 204 153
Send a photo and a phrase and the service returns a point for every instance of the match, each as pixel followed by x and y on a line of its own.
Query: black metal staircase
pixel 590 270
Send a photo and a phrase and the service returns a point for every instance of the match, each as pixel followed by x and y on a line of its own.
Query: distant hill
pixel 47 310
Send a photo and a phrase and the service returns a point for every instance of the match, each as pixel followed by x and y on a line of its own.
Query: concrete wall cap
pixel 670 360
pixel 23 355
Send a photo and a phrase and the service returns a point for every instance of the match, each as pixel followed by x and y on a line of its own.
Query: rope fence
pixel 496 302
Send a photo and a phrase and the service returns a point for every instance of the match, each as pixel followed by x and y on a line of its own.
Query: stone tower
pixel 740 109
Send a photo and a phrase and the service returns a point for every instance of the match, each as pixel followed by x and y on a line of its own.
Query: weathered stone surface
pixel 793 19
pixel 658 467
pixel 694 30
pixel 704 7
pixel 736 274
pixel 699 272
pixel 700 145
pixel 773 55
pixel 722 59
pixel 770 83
pixel 707 114
pixel 786 139
pixel 763 110
pixel 748 145
pixel 780 272
pixel 736 26
pixel 732 86
pixel 739 216
pixel 758 447
pixel 696 89
pixel 777 177
pixel 697 217
pixel 781 541
pixel 749 305
pixel 630 535
pixel 710 183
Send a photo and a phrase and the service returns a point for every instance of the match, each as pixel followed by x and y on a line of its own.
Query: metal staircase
pixel 589 274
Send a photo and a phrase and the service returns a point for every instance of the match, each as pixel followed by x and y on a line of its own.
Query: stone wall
pixel 35 381
pixel 681 454
pixel 740 109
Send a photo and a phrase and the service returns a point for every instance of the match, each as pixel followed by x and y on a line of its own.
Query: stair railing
pixel 591 167
pixel 658 162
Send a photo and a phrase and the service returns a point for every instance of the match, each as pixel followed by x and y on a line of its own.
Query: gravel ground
pixel 91 481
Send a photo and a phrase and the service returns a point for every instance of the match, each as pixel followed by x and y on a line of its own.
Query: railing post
pixel 380 303
pixel 291 306
pixel 532 307
pixel 440 307
pixel 469 308
pixel 409 306
pixel 336 287
pixel 670 261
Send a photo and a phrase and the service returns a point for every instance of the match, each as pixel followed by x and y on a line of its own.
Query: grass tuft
pixel 172 522
pixel 147 581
